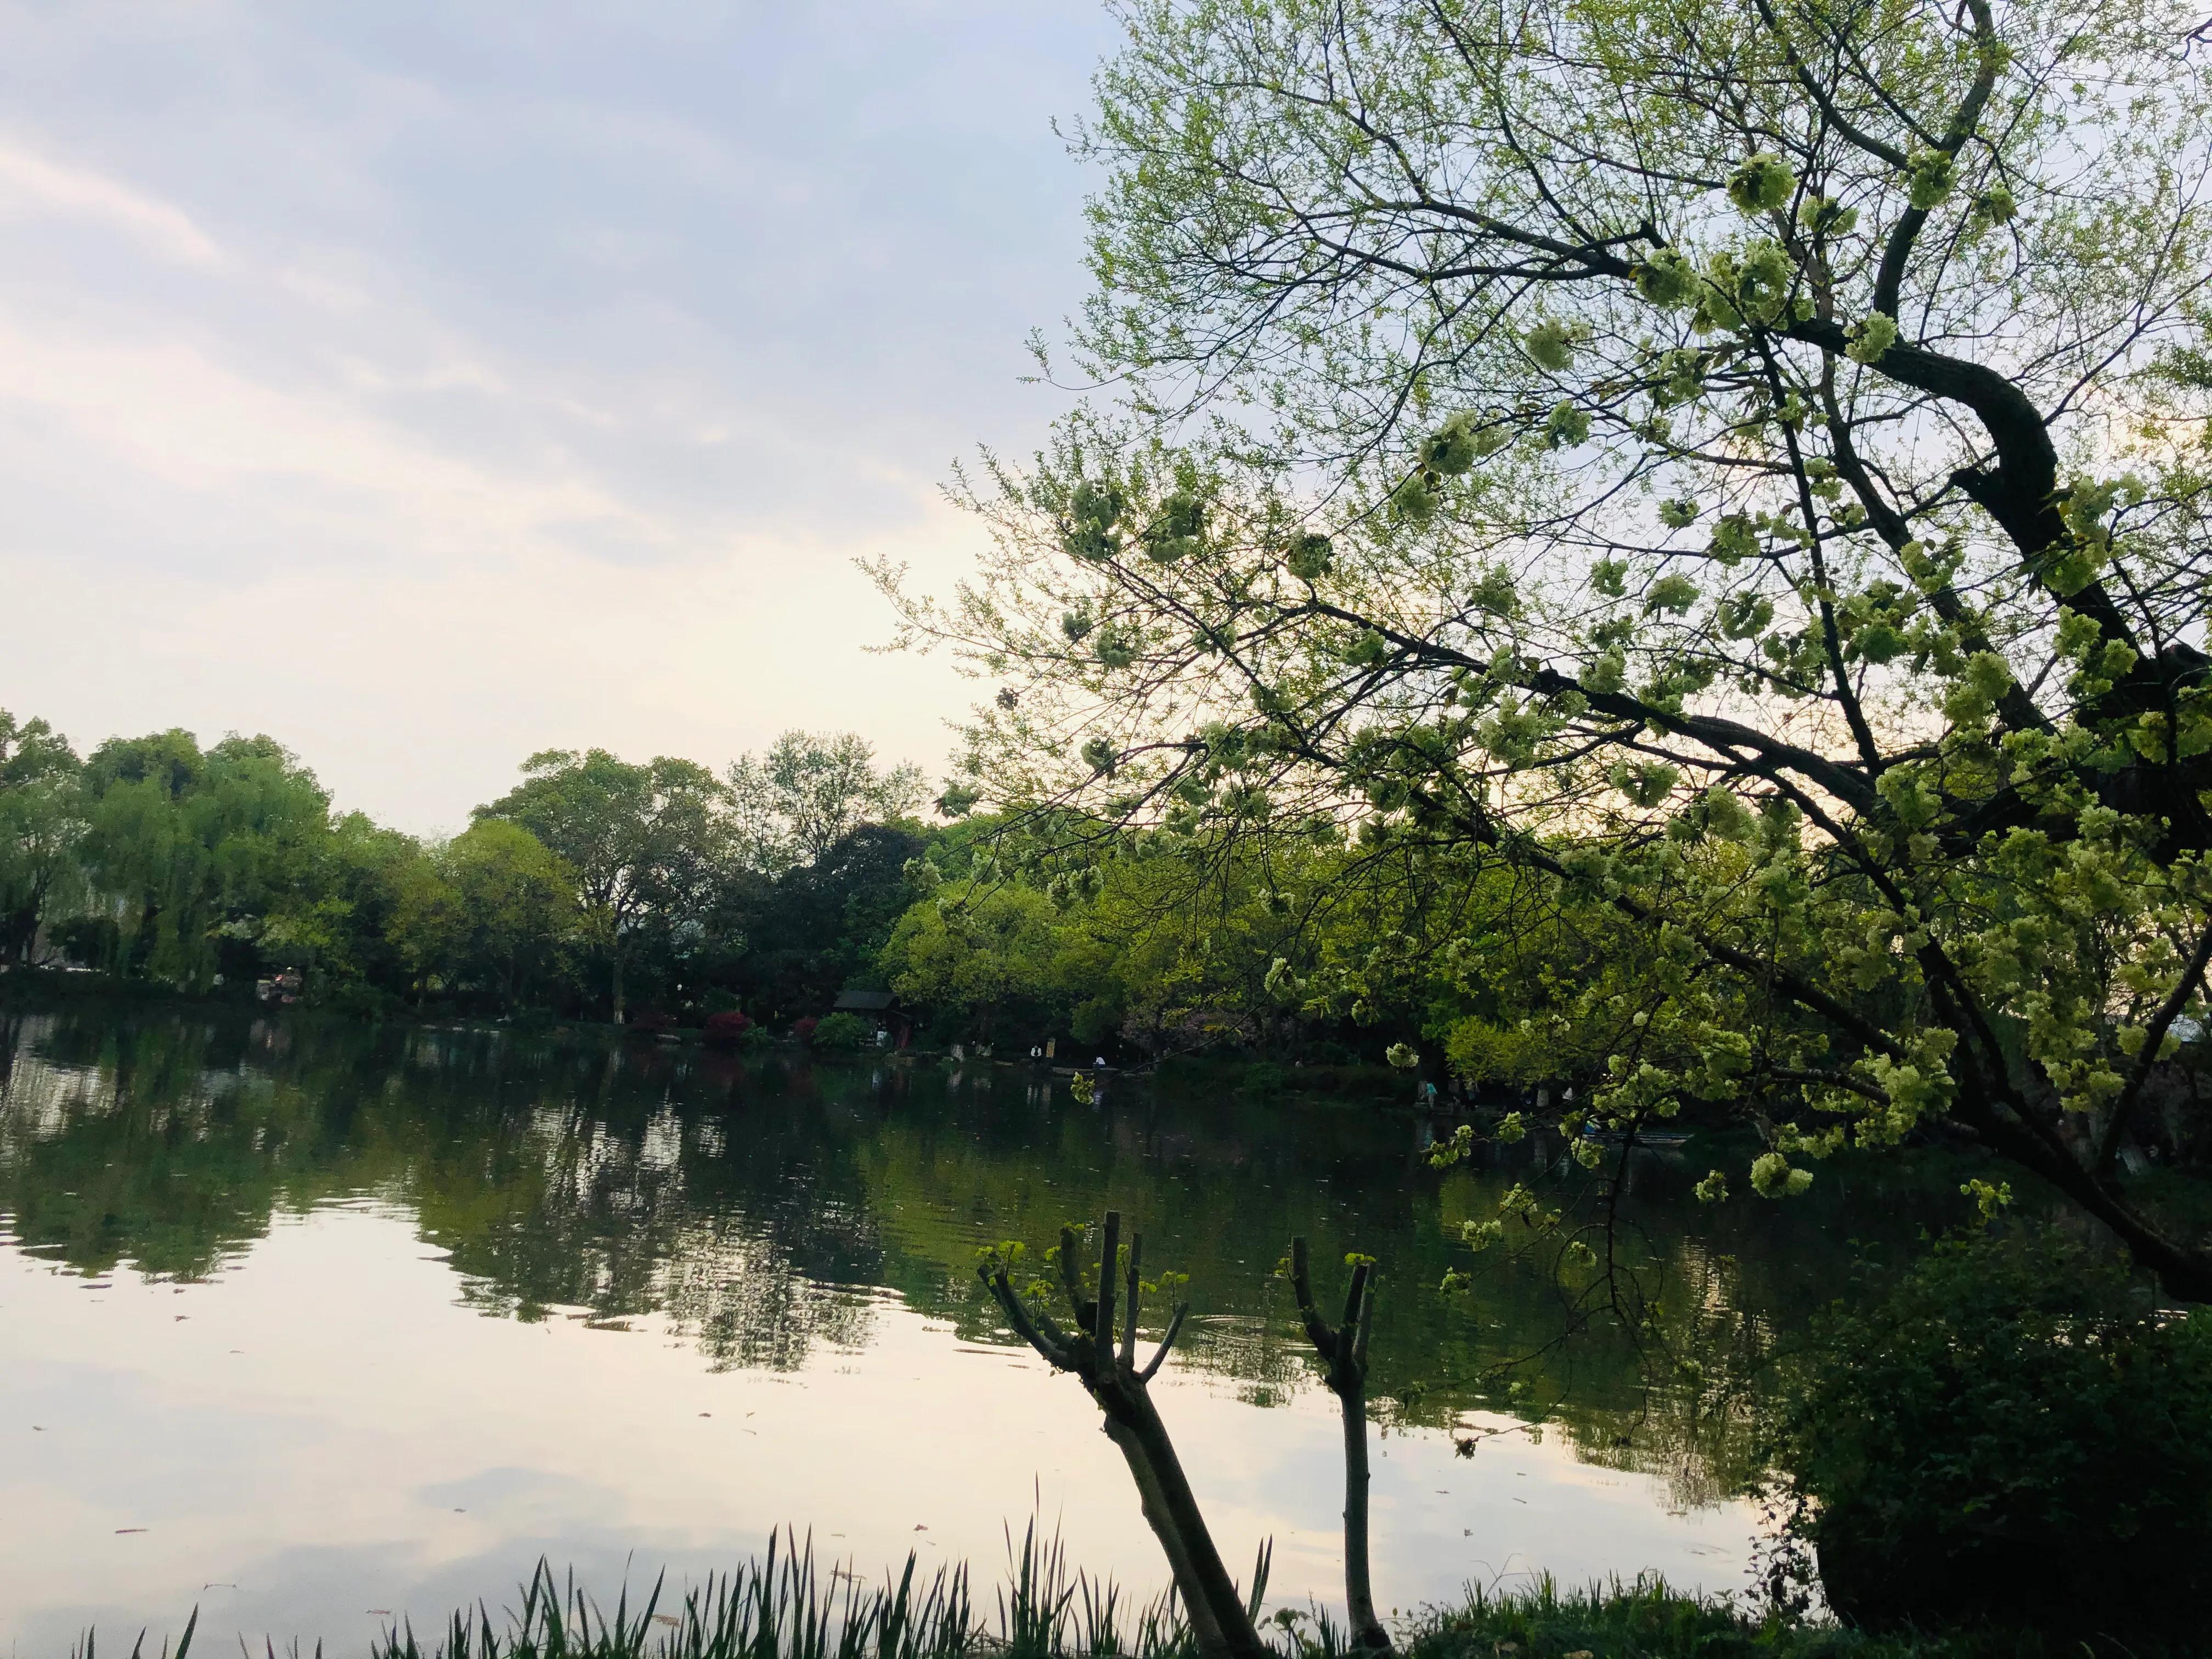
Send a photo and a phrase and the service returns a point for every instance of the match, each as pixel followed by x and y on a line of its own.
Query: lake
pixel 314 1326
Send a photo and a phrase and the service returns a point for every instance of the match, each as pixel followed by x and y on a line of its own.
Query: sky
pixel 428 385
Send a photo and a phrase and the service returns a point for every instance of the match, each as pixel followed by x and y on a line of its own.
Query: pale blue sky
pixel 427 384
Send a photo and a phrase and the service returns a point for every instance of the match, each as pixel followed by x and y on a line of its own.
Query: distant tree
pixel 811 790
pixel 819 927
pixel 645 841
pixel 989 955
pixel 1178 945
pixel 201 850
pixel 42 821
pixel 342 928
pixel 487 911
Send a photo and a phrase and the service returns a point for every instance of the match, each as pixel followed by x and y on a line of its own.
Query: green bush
pixel 359 1001
pixel 2015 1435
pixel 1096 1021
pixel 1265 1079
pixel 841 1033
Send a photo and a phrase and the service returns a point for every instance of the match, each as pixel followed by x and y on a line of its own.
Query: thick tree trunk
pixel 138 950
pixel 2183 1271
pixel 17 928
pixel 617 958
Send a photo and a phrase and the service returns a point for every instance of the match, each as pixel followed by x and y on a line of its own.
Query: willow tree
pixel 41 820
pixel 1741 462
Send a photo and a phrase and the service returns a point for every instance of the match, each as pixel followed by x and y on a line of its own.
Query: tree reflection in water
pixel 767 1208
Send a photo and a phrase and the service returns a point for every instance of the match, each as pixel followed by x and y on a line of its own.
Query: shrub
pixel 842 1032
pixel 1264 1079
pixel 804 1029
pixel 1646 1618
pixel 2013 1435
pixel 359 1001
pixel 651 1021
pixel 1096 1021
pixel 88 941
pixel 725 1029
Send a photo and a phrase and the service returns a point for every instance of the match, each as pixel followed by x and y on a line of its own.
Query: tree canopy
pixel 593 882
pixel 199 849
pixel 490 909
pixel 1740 464
pixel 809 790
pixel 641 837
pixel 40 822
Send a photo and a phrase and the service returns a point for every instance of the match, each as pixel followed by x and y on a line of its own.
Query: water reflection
pixel 797 1225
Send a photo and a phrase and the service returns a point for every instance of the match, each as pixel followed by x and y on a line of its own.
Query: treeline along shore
pixel 660 893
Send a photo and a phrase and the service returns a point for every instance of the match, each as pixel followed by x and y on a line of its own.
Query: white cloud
pixel 414 698
pixel 414 621
pixel 526 399
pixel 30 184
pixel 171 412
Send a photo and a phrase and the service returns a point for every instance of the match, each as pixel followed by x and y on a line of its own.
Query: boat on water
pixel 1659 1141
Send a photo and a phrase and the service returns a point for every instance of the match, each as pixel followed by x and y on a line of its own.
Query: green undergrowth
pixel 786 1606
pixel 1646 1620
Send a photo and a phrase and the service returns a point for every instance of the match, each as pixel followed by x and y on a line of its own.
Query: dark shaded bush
pixel 804 1029
pixel 1096 1021
pixel 651 1021
pixel 2014 1436
pixel 89 941
pixel 1646 1620
pixel 841 1033
pixel 725 1029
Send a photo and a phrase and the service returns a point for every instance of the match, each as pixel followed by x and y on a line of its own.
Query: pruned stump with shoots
pixel 1343 1351
pixel 1220 1619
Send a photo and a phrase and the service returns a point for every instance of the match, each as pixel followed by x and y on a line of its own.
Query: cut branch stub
pixel 1343 1349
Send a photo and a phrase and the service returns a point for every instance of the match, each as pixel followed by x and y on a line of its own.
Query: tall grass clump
pixel 784 1607
pixel 89 1648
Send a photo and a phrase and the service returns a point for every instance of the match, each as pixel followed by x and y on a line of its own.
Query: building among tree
pixel 881 1006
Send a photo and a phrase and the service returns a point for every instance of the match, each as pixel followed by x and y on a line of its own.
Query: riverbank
pixel 1647 1620
pixel 787 1608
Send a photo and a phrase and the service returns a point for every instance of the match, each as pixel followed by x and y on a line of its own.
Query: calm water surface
pixel 314 1328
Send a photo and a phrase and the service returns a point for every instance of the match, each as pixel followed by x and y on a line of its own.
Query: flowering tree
pixel 1740 464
